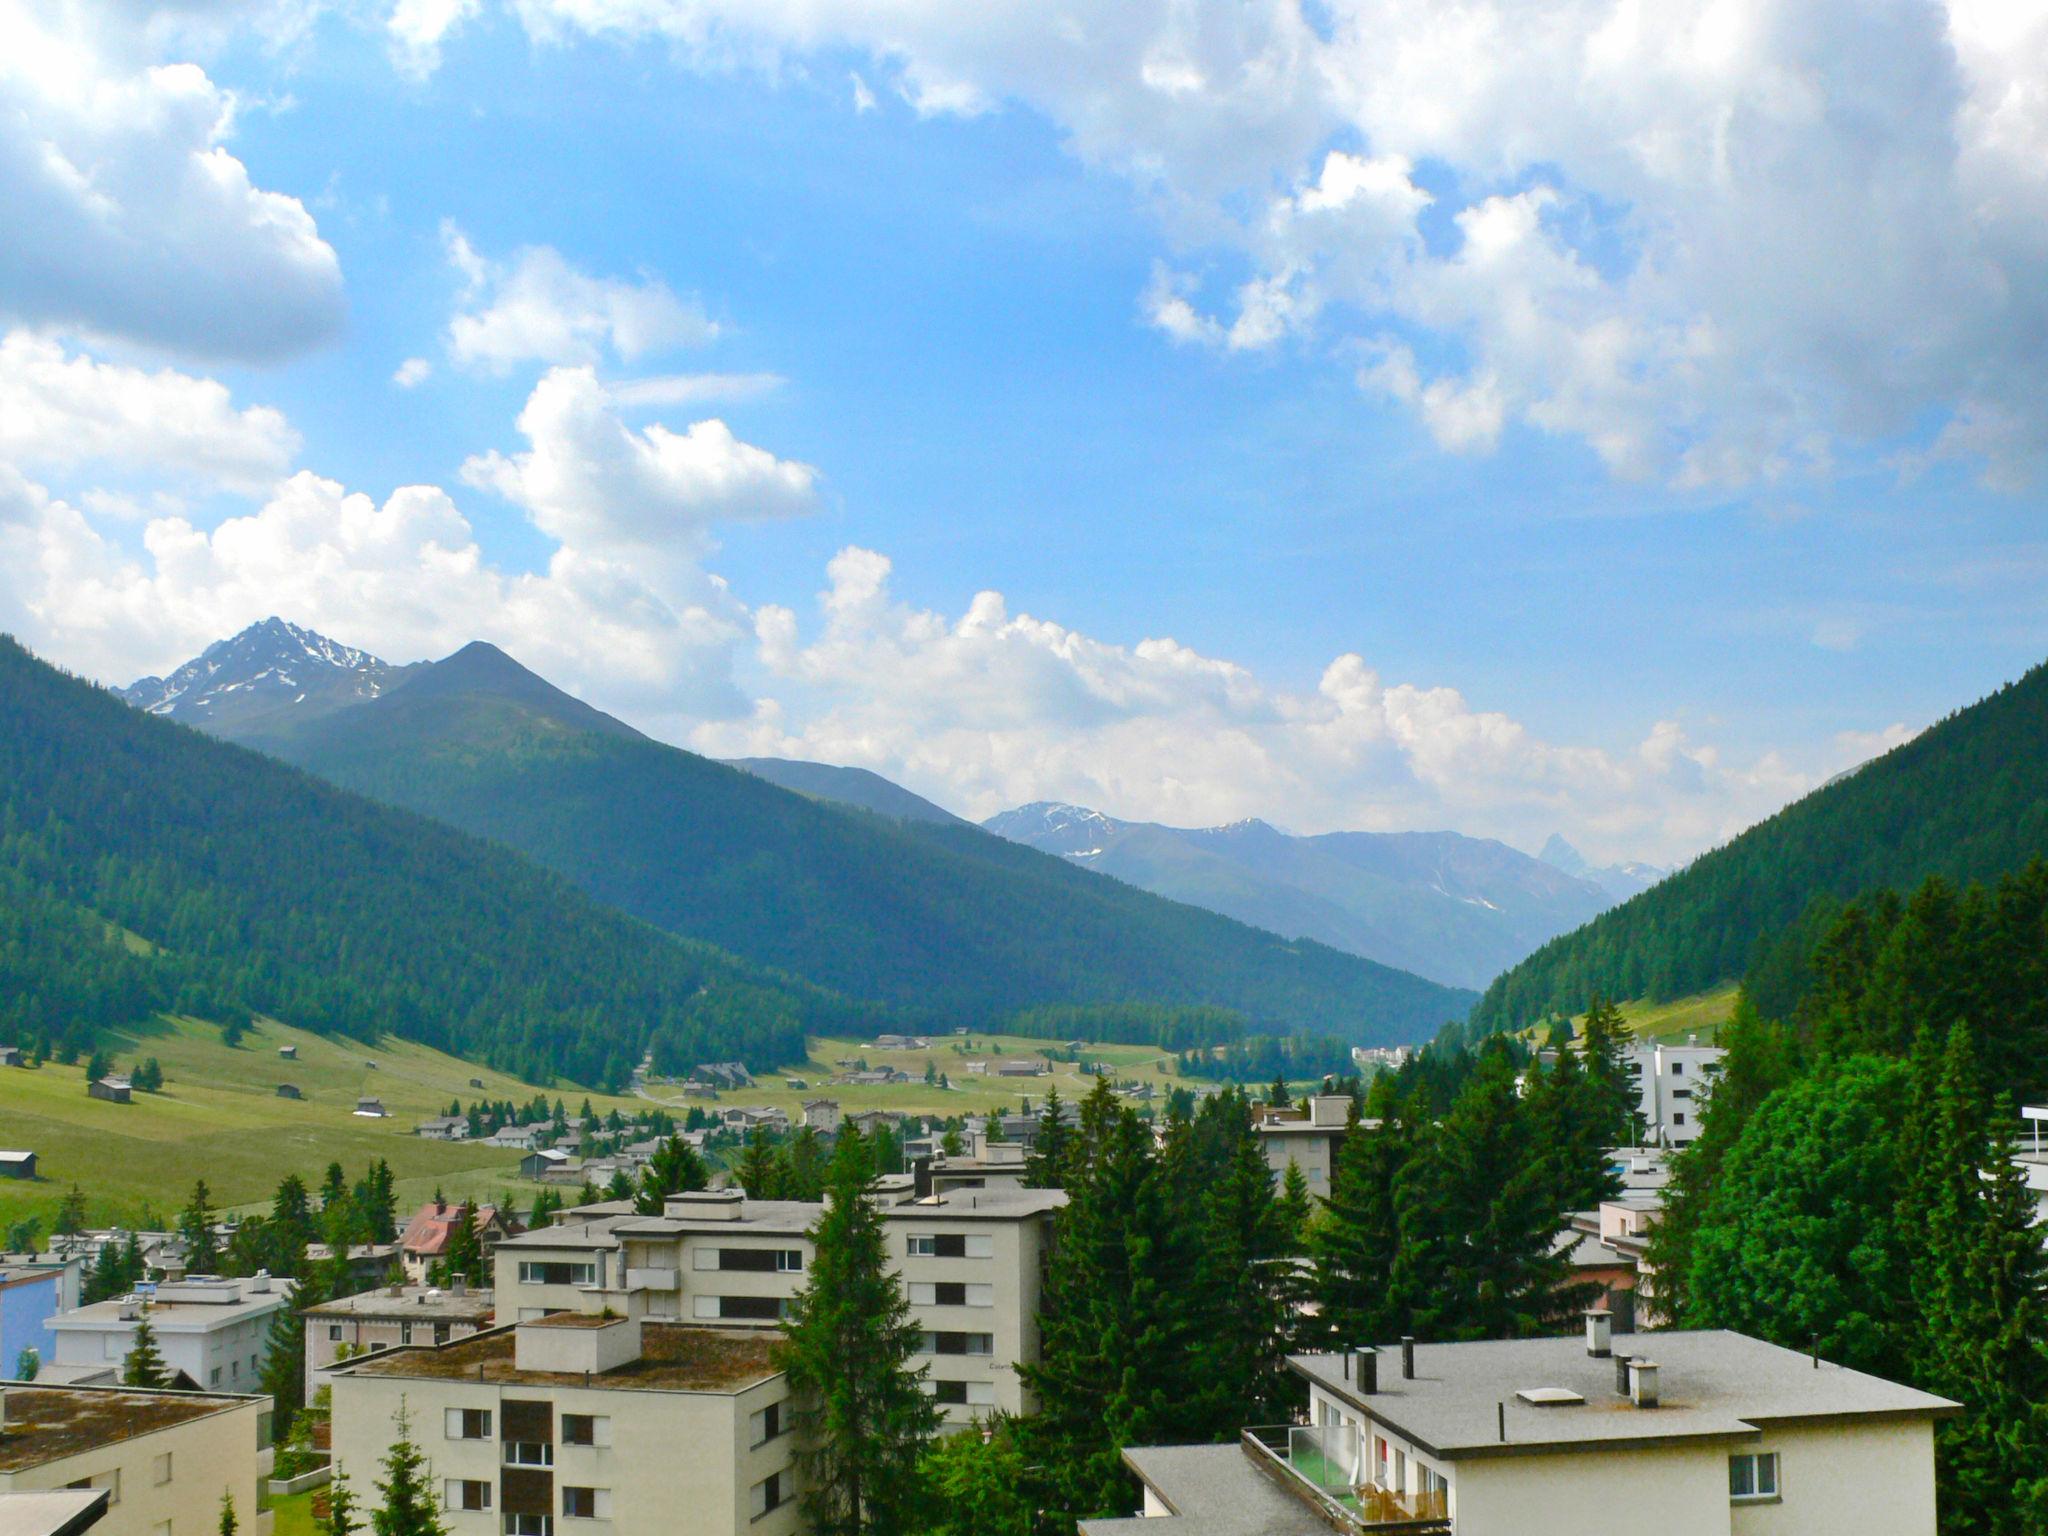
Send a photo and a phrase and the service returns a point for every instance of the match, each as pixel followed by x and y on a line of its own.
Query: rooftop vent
pixel 706 1205
pixel 1599 1332
pixel 1642 1380
pixel 1550 1397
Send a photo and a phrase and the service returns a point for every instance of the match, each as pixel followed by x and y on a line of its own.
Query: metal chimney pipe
pixel 1407 1357
pixel 1621 1375
pixel 1368 1369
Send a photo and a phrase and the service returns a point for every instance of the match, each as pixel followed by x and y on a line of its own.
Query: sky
pixel 1513 416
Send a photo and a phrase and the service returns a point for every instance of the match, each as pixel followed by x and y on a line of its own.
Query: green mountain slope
pixel 857 787
pixel 942 920
pixel 262 890
pixel 1967 800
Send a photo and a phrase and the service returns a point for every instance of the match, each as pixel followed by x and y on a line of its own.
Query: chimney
pixel 1621 1375
pixel 458 1285
pixel 1366 1369
pixel 1599 1332
pixel 259 1283
pixel 1407 1357
pixel 1642 1375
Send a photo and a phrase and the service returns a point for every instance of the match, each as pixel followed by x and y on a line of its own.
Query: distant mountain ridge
pixel 1966 799
pixel 1629 878
pixel 933 917
pixel 1456 909
pixel 857 787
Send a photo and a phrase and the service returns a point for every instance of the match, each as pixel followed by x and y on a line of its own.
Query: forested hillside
pixel 945 922
pixel 144 868
pixel 1967 800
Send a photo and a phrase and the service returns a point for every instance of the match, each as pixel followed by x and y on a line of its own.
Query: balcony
pixel 652 1279
pixel 1324 1467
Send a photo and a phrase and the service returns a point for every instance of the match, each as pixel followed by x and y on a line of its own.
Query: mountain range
pixel 1966 799
pixel 1456 909
pixel 921 914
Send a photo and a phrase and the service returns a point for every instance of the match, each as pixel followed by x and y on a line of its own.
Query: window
pixel 467 1493
pixel 440 1333
pixel 768 1494
pixel 754 1309
pixel 529 1525
pixel 405 1333
pixel 160 1469
pixel 556 1272
pixel 586 1429
pixel 959 1344
pixel 1678 1119
pixel 334 1332
pixel 587 1503
pixel 1681 1093
pixel 767 1423
pixel 1678 1069
pixel 215 1379
pixel 971 1394
pixel 469 1423
pixel 951 1245
pixel 1753 1475
pixel 529 1453
pixel 765 1261
pixel 951 1293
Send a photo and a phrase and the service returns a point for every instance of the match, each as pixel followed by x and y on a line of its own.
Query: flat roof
pixel 59 1512
pixel 415 1301
pixel 1711 1384
pixel 175 1316
pixel 46 1424
pixel 673 1358
pixel 1214 1490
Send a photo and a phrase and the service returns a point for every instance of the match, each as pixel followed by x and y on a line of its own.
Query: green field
pixel 219 1118
pixel 1702 1014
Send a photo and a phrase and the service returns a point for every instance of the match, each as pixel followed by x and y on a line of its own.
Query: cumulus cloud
pixel 990 708
pixel 589 479
pixel 417 28
pixel 60 409
pixel 1716 242
pixel 128 217
pixel 412 373
pixel 536 307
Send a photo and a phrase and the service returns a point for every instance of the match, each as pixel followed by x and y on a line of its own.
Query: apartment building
pixel 389 1317
pixel 163 1458
pixel 33 1289
pixel 1684 1434
pixel 1671 1085
pixel 970 1261
pixel 598 1423
pixel 213 1334
pixel 1309 1141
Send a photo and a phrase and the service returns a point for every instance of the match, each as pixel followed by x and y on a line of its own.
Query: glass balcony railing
pixel 1325 1465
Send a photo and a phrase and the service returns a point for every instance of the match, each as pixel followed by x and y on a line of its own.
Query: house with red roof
pixel 427 1235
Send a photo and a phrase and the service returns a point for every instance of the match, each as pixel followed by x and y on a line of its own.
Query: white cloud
pixel 589 480
pixel 1714 239
pixel 126 216
pixel 863 98
pixel 989 709
pixel 692 388
pixel 412 373
pixel 539 308
pixel 62 410
pixel 417 29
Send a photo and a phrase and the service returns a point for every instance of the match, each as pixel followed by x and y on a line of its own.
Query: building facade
pixel 214 1335
pixel 389 1317
pixel 585 1424
pixel 1671 1089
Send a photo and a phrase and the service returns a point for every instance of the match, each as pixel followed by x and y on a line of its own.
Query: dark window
pixel 949 1391
pixel 579 1429
pixel 475 1494
pixel 950 1293
pixel 474 1424
pixel 580 1503
pixel 528 1420
pixel 766 1308
pixel 751 1260
pixel 440 1333
pixel 949 1245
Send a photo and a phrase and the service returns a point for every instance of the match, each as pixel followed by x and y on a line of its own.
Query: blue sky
pixel 964 308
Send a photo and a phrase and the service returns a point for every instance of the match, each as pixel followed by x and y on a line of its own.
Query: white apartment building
pixel 970 1261
pixel 389 1317
pixel 163 1458
pixel 213 1334
pixel 1671 1084
pixel 585 1424
pixel 1683 1434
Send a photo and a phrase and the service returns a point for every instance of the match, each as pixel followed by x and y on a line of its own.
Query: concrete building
pixel 33 1290
pixel 163 1458
pixel 214 1335
pixel 1309 1141
pixel 1700 1434
pixel 389 1317
pixel 970 1262
pixel 821 1115
pixel 602 1424
pixel 1671 1085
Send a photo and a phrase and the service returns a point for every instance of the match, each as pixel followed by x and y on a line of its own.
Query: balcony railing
pixel 1324 1466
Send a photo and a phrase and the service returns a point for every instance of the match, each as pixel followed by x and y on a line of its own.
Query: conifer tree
pixel 409 1507
pixel 674 1169
pixel 1355 1242
pixel 464 1254
pixel 1045 1166
pixel 1295 1206
pixel 284 1369
pixel 1242 1287
pixel 144 1365
pixel 71 1212
pixel 195 1226
pixel 343 1518
pixel 863 1418
pixel 758 1172
pixel 804 1166
pixel 228 1523
pixel 1612 1094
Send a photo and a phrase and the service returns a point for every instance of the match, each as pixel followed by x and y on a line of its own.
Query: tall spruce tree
pixel 863 1417
pixel 1045 1166
pixel 342 1517
pixel 228 1523
pixel 284 1369
pixel 144 1365
pixel 1243 1289
pixel 1295 1206
pixel 464 1254
pixel 195 1226
pixel 674 1169
pixel 1354 1243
